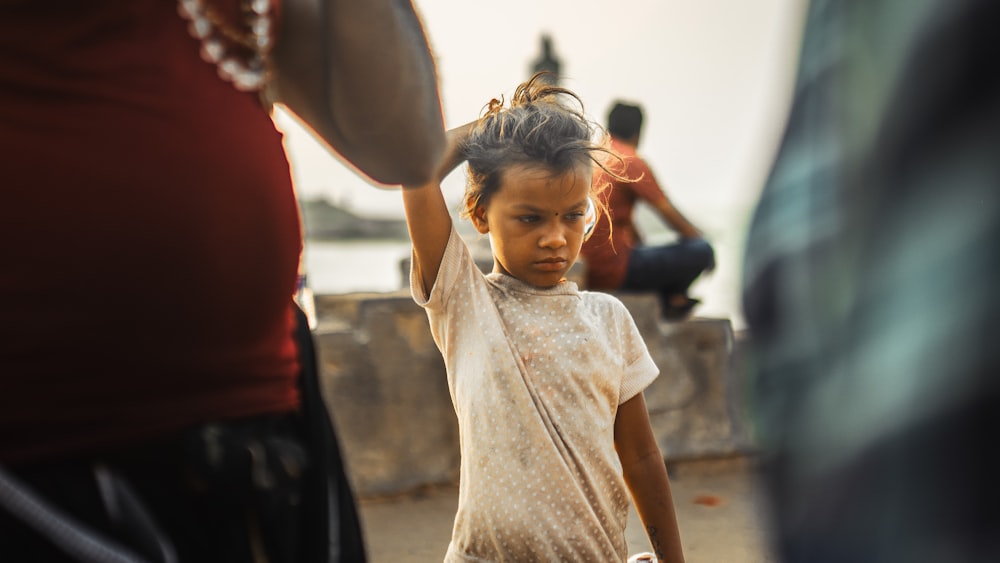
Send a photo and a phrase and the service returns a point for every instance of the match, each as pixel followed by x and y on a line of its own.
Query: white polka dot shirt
pixel 536 376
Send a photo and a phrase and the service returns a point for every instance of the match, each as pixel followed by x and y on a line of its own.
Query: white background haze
pixel 714 78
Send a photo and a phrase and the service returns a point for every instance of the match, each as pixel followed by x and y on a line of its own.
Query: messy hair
pixel 539 127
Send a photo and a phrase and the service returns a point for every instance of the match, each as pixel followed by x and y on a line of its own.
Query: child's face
pixel 536 223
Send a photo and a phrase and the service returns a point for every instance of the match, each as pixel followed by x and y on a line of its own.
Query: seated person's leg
pixel 669 270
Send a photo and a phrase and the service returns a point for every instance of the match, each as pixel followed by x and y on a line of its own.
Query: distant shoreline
pixel 324 221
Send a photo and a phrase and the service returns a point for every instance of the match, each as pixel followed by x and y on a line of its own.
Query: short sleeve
pixel 640 369
pixel 448 273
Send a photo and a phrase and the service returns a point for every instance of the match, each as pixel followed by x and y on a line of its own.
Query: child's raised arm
pixel 427 214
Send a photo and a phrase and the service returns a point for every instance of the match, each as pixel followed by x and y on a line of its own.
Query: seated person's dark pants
pixel 668 270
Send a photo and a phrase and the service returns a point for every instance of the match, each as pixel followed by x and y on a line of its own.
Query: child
pixel 546 380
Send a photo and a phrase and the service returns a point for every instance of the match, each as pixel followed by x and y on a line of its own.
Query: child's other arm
pixel 646 477
pixel 427 214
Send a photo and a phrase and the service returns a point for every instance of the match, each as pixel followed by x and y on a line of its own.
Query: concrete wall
pixel 384 381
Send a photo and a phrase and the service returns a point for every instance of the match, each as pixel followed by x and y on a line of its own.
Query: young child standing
pixel 546 380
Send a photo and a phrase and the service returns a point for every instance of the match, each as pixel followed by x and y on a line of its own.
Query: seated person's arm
pixel 650 191
pixel 676 219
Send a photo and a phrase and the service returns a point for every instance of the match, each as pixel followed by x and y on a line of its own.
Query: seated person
pixel 616 258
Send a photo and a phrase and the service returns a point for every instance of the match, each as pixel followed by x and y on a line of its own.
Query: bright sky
pixel 713 76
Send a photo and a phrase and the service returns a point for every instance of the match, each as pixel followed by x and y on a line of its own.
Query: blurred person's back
pixel 870 289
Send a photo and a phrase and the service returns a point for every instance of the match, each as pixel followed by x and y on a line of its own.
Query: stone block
pixel 694 404
pixel 384 381
pixel 386 386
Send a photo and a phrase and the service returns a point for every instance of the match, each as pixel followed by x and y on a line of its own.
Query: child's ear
pixel 479 220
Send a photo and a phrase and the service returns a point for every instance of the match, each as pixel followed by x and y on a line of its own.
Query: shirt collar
pixel 508 283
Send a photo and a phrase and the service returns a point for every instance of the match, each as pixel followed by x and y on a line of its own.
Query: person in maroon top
pixel 616 258
pixel 150 241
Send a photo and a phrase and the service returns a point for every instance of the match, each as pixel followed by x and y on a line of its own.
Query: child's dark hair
pixel 539 128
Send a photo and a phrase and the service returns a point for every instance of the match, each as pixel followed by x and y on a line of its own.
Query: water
pixel 337 267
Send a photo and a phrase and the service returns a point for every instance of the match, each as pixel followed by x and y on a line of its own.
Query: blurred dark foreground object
pixel 870 287
pixel 261 489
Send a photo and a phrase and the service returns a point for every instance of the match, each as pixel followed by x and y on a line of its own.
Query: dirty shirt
pixel 536 376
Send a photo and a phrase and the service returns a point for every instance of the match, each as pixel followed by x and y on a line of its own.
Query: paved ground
pixel 717 503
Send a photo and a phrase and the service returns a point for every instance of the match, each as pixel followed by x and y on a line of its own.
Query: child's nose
pixel 553 237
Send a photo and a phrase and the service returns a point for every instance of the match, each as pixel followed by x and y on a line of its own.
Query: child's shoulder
pixel 602 300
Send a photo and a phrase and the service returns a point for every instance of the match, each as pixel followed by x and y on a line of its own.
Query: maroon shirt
pixel 607 250
pixel 149 235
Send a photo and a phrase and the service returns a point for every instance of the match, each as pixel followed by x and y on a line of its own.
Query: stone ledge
pixel 385 383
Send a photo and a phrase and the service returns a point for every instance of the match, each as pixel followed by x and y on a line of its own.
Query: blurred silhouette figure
pixel 616 257
pixel 870 287
pixel 548 63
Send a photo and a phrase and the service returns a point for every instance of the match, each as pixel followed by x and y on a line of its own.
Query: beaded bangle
pixel 221 42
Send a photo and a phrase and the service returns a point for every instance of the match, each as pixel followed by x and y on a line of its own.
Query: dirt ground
pixel 718 506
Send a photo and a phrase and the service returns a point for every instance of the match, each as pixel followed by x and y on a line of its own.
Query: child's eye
pixel 575 216
pixel 528 218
